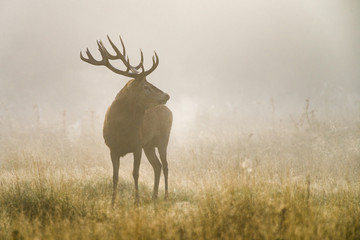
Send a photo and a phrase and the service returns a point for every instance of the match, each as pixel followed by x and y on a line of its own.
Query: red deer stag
pixel 137 119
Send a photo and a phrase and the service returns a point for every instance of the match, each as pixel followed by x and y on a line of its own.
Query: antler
pixel 131 71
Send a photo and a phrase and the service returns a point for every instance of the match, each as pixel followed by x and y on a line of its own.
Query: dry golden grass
pixel 284 183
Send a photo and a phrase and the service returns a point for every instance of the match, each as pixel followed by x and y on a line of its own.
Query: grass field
pixel 292 182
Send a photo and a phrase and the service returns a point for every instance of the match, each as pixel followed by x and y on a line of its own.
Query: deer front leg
pixel 115 159
pixel 137 160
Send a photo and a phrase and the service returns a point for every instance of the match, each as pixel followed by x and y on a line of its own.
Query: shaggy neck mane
pixel 122 126
pixel 128 114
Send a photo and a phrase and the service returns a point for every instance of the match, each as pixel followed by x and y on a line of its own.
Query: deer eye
pixel 147 88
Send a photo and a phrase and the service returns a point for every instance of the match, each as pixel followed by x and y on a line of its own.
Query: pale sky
pixel 212 53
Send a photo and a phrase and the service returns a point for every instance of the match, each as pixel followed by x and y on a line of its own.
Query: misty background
pixel 250 58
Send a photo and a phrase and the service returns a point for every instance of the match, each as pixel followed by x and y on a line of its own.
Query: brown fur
pixel 137 119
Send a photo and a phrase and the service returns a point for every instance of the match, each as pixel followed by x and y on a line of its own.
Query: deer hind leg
pixel 137 160
pixel 155 163
pixel 163 152
pixel 115 159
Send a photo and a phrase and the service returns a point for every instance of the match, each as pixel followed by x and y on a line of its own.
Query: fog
pixel 248 57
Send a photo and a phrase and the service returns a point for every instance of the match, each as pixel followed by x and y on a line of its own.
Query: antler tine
pixel 121 56
pixel 105 54
pixel 123 46
pixel 103 51
pixel 124 58
pixel 154 66
pixel 131 71
pixel 129 67
pixel 105 61
pixel 82 57
pixel 90 58
pixel 141 64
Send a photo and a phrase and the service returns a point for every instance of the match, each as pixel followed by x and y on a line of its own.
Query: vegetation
pixel 299 181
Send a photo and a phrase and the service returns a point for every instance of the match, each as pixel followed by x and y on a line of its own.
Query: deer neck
pixel 130 113
pixel 122 127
